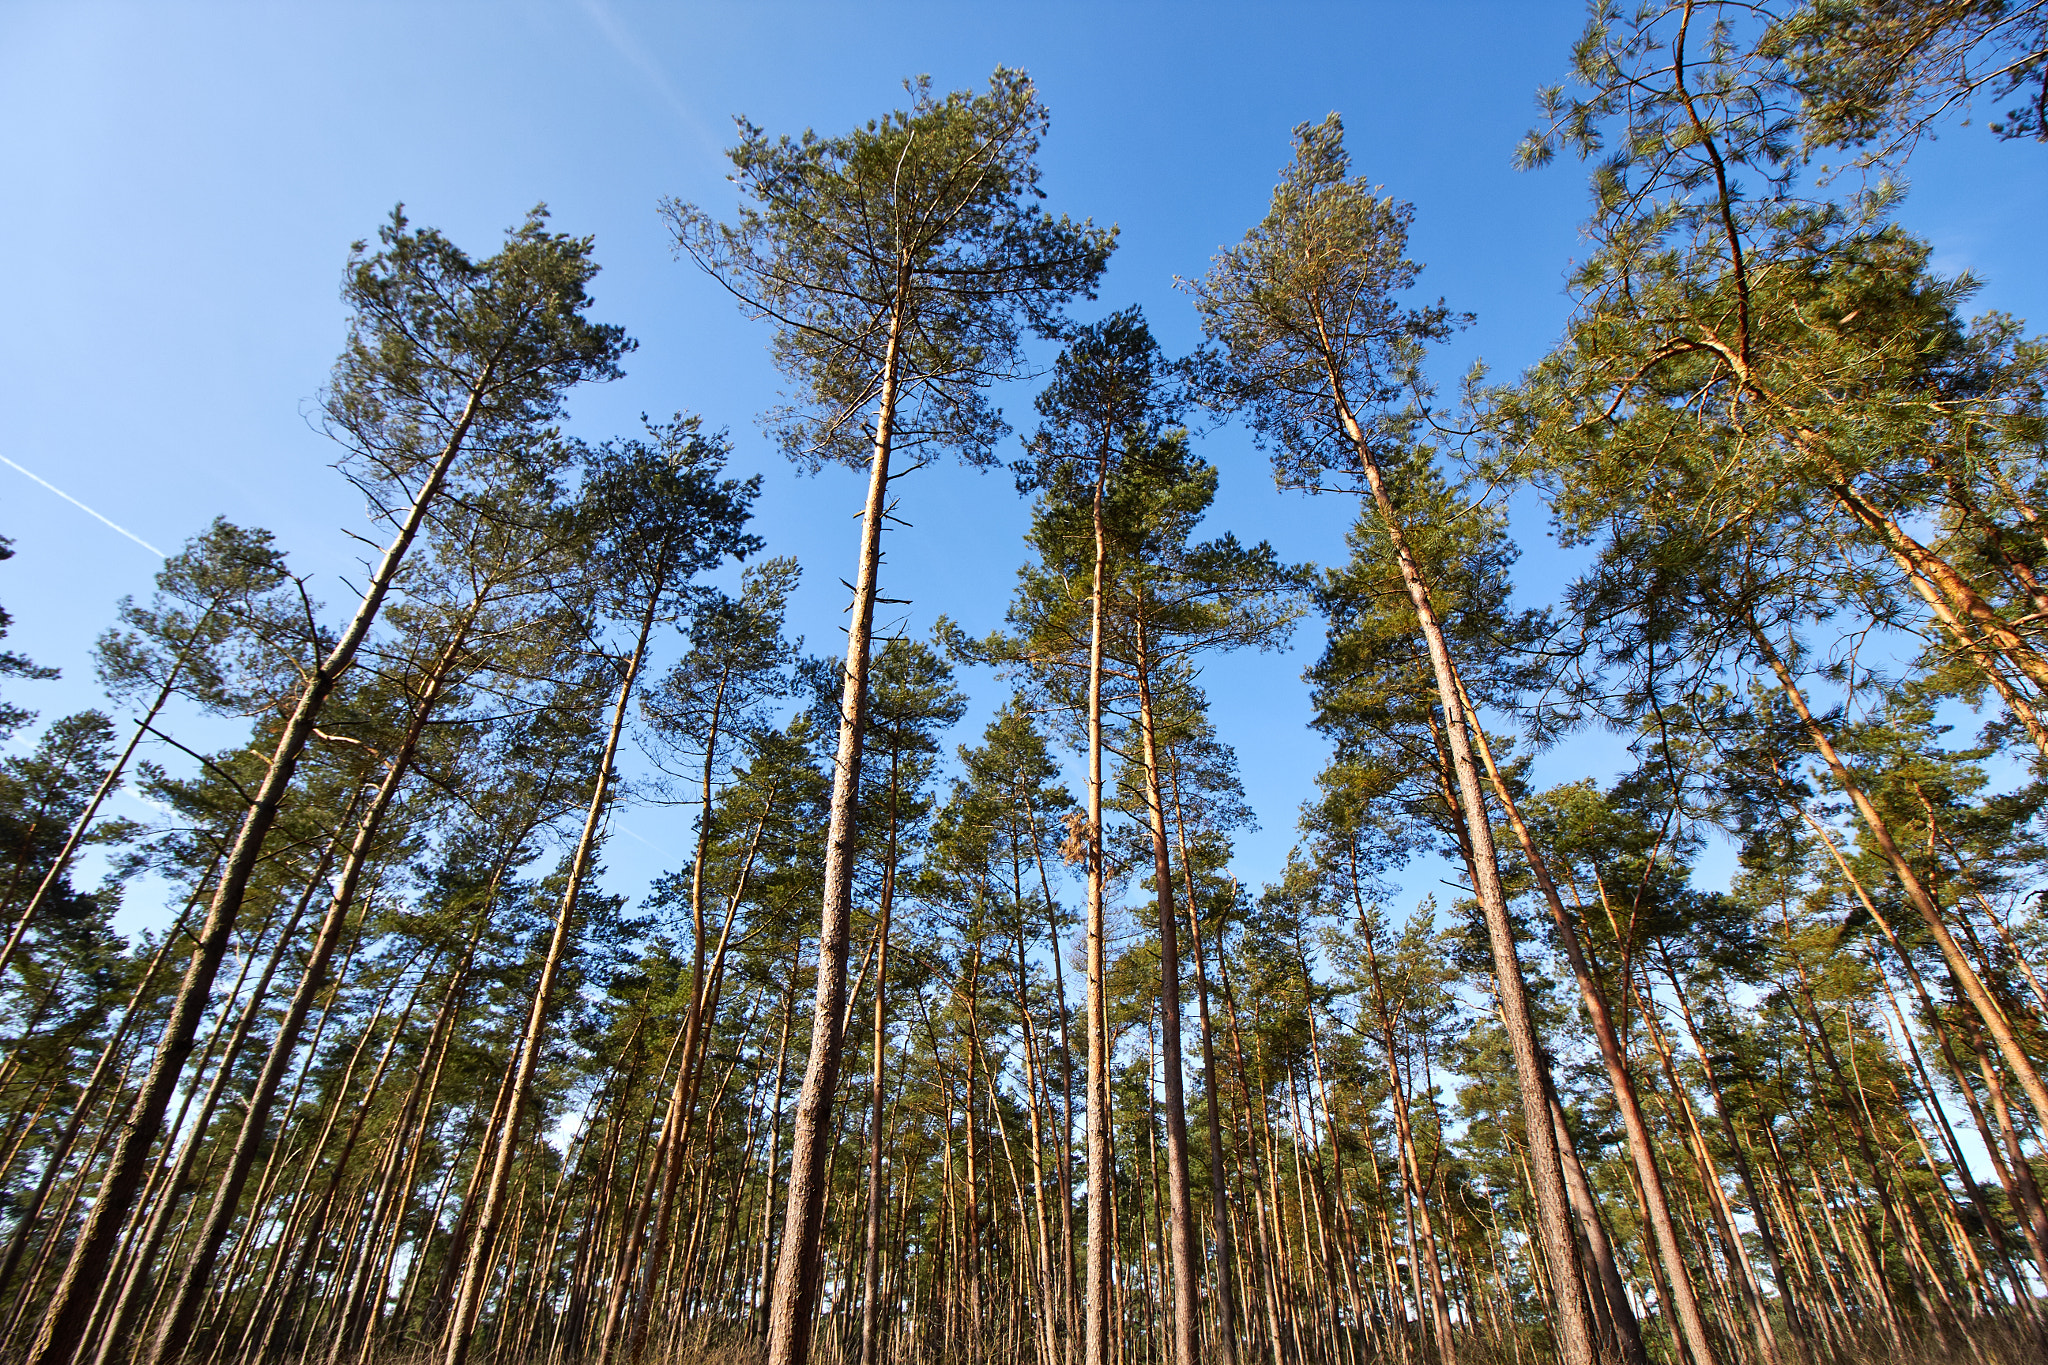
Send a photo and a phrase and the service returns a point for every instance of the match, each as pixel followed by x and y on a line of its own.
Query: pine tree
pixel 444 354
pixel 899 264
pixel 1319 348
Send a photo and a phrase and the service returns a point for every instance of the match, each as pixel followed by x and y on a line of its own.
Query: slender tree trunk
pixel 60 1150
pixel 1068 1301
pixel 971 1234
pixel 305 1228
pixel 794 1300
pixel 501 1154
pixel 176 1327
pixel 1180 1208
pixel 1345 1233
pixel 2033 1226
pixel 774 1140
pixel 122 1319
pixel 682 1107
pixel 1101 1228
pixel 1642 1149
pixel 1954 1151
pixel 65 1321
pixel 1620 1315
pixel 1738 1253
pixel 1575 1336
pixel 1267 1259
pixel 1219 1198
pixel 2022 1170
pixel 871 1256
pixel 669 1157
pixel 1417 1197
pixel 1045 1333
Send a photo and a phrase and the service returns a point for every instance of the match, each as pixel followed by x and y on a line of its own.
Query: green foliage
pixel 1807 486
pixel 1308 313
pixel 660 511
pixel 442 346
pixel 924 226
pixel 1874 74
pixel 13 665
pixel 229 627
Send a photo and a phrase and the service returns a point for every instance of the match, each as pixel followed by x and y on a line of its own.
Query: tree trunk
pixel 769 1183
pixel 794 1299
pixel 1620 1315
pixel 871 1257
pixel 176 1327
pixel 1101 1229
pixel 1575 1336
pixel 682 1107
pixel 1180 1209
pixel 502 1152
pixel 1410 1160
pixel 1219 1199
pixel 60 1150
pixel 64 1323
pixel 1642 1150
pixel 114 1330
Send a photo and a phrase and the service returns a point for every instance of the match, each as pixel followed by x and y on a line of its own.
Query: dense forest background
pixel 1651 968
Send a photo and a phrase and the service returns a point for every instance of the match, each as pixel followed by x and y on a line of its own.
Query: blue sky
pixel 183 183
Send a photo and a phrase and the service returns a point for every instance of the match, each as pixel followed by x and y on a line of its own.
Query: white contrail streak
pixel 82 507
pixel 635 54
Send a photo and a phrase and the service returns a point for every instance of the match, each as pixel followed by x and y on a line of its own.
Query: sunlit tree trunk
pixel 64 1323
pixel 1101 1230
pixel 1575 1336
pixel 1642 1150
pixel 1219 1200
pixel 871 1251
pixel 500 1155
pixel 794 1296
pixel 176 1326
pixel 1180 1210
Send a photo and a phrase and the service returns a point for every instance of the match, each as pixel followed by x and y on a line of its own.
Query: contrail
pixel 613 30
pixel 83 508
pixel 621 825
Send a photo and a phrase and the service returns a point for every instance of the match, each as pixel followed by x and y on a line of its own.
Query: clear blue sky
pixel 183 183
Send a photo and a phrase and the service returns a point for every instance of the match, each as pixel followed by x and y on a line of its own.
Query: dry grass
pixel 2009 1342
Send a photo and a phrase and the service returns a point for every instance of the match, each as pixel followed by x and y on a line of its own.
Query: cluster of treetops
pixel 929 1060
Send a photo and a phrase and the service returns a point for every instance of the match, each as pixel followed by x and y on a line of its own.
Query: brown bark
pixel 705 978
pixel 774 1139
pixel 1620 1314
pixel 2034 1228
pixel 502 1152
pixel 64 1323
pixel 1225 1293
pixel 60 1150
pixel 1642 1149
pixel 1575 1336
pixel 794 1297
pixel 1180 1210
